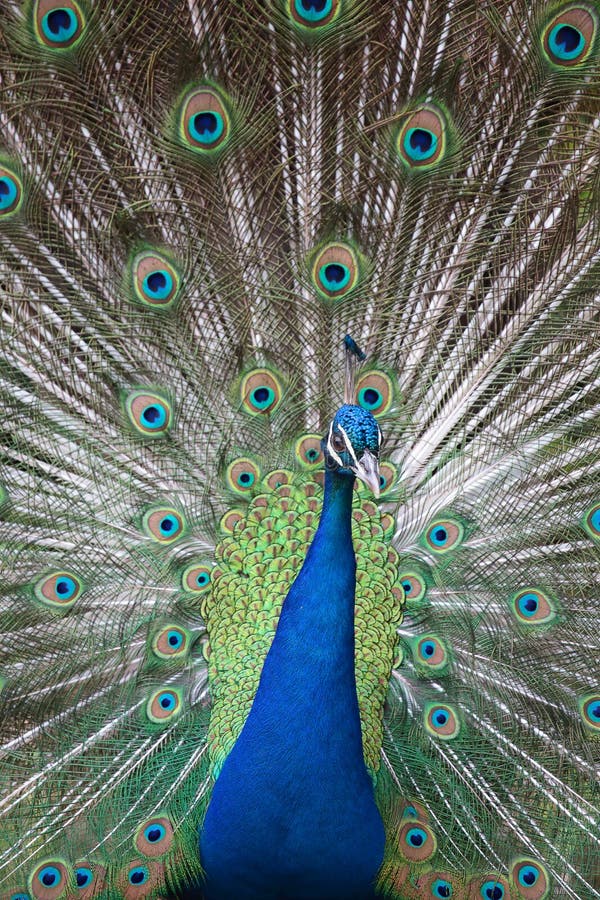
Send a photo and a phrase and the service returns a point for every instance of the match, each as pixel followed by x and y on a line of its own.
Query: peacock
pixel 300 449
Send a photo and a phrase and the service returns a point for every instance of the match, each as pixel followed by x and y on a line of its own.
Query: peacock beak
pixel 367 469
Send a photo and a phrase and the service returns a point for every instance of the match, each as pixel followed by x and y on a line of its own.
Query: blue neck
pixel 292 813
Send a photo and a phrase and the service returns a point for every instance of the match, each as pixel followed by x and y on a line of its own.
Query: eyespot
pixel 242 475
pixel 277 478
pixel 488 887
pixel 430 653
pixel 204 123
pixel 568 39
pixel 375 392
pixel 440 886
pixel 154 837
pixel 414 586
pixel 171 641
pixel 140 878
pixel 335 270
pixel 48 880
pixel 164 705
pixel 530 878
pixel 441 721
pixel 155 281
pixel 89 879
pixel 11 192
pixel 308 451
pixel 387 477
pixel 163 524
pixel 58 25
pixel 230 520
pixel 591 521
pixel 197 578
pixel 421 142
pixel 59 590
pixel 532 606
pixel 20 897
pixel 261 392
pixel 313 14
pixel 444 535
pixel 417 842
pixel 590 711
pixel 149 413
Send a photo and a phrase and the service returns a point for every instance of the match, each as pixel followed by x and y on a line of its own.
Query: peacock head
pixel 352 445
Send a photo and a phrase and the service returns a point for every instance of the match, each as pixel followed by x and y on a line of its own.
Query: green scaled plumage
pixel 198 201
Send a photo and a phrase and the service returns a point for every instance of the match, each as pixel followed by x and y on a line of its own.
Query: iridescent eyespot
pixel 230 520
pixel 149 413
pixel 140 879
pixel 11 192
pixel 89 879
pixel 590 711
pixel 260 392
pixel 421 141
pixel 308 451
pixel 243 475
pixel 489 887
pixel 19 897
pixel 569 38
pixel 532 606
pixel 591 521
pixel 154 837
pixel 164 705
pixel 48 880
pixel 313 14
pixel 171 641
pixel 414 586
pixel 204 122
pixel 197 578
pixel 417 842
pixel 430 654
pixel 444 535
pixel 335 270
pixel 375 392
pixel 530 878
pixel 441 721
pixel 59 590
pixel 387 477
pixel 440 887
pixel 163 524
pixel 58 25
pixel 155 281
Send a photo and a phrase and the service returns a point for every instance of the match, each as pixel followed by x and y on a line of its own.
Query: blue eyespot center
pixel 154 416
pixel 167 701
pixel 416 837
pixel 491 890
pixel 428 648
pixel 528 876
pixel 334 276
pixel 202 579
pixel 154 833
pixel 65 587
pixel 441 888
pixel 49 876
pixel 8 192
pixel 566 41
pixel 59 25
pixel 370 398
pixel 83 876
pixel 420 143
pixel 407 587
pixel 441 717
pixel 138 875
pixel 207 126
pixel 174 639
pixel 313 10
pixel 312 454
pixel 263 397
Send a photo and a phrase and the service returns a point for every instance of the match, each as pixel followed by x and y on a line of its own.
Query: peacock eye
pixel 58 25
pixel 10 191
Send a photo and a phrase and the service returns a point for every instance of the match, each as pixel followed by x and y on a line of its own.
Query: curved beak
pixel 367 469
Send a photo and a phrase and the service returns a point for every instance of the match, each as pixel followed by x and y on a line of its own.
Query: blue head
pixel 352 445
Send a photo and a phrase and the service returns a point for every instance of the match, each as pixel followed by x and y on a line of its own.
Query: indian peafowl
pixel 287 614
